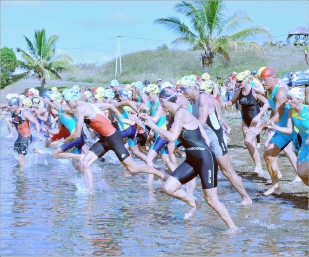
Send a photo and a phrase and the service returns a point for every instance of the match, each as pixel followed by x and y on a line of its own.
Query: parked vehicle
pixel 296 78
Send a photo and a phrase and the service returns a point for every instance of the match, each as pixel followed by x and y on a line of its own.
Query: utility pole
pixel 118 55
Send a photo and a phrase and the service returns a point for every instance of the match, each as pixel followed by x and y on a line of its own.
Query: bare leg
pixel 303 171
pixel 224 163
pixel 288 151
pixel 135 150
pixel 86 163
pixel 59 154
pixel 211 198
pixel 21 160
pixel 172 188
pixel 270 157
pixel 149 160
pixel 171 152
pixel 190 186
pixel 251 146
pixel 167 161
pixel 134 168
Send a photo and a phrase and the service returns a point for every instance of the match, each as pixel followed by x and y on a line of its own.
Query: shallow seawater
pixel 46 210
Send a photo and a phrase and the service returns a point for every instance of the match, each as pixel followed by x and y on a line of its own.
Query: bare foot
pixel 258 171
pixel 37 150
pixel 10 135
pixel 296 180
pixel 165 176
pixel 273 190
pixel 279 175
pixel 190 212
pixel 246 202
pixel 232 231
pixel 81 156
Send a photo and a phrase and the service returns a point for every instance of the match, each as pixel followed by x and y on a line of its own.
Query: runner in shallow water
pixel 200 160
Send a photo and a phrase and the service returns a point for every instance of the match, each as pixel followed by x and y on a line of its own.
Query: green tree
pixel 213 32
pixel 41 62
pixel 8 64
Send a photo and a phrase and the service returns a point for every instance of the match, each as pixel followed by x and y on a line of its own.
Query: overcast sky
pixel 80 24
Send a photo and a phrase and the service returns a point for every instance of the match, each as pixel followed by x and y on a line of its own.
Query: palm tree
pixel 212 32
pixel 41 61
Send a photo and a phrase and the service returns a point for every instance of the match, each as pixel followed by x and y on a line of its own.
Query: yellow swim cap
pixel 188 81
pixel 152 89
pixel 205 76
pixel 242 76
pixel 27 102
pixel 54 89
pixel 260 71
pixel 207 86
pixel 99 90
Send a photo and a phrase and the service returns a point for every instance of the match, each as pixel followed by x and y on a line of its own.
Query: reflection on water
pixel 46 210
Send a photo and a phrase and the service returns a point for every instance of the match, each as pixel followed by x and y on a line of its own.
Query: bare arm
pixel 158 114
pixel 80 116
pixel 203 109
pixel 285 130
pixel 127 102
pixel 265 104
pixel 113 109
pixel 29 116
pixel 174 131
pixel 203 133
pixel 280 105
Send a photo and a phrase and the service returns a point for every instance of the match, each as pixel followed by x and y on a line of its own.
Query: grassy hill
pixel 171 65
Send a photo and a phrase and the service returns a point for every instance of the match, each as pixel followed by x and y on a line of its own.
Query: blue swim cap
pixel 14 101
pixel 72 94
pixel 47 94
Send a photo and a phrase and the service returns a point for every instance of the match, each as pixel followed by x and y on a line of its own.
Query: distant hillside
pixel 171 65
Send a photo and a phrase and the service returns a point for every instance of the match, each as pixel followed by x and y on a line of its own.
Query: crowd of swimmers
pixel 185 119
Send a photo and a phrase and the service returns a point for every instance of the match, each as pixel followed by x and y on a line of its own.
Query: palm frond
pixel 30 46
pixel 252 33
pixel 174 24
pixel 233 22
pixel 20 76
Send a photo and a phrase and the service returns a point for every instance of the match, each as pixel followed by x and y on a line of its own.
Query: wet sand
pixel 295 193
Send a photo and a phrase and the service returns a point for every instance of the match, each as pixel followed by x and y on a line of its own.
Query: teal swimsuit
pixel 70 123
pixel 279 139
pixel 301 122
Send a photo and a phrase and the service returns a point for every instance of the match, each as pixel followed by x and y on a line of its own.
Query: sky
pixel 87 30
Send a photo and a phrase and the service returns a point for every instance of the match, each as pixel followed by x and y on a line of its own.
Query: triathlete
pixel 199 158
pixel 204 108
pixel 276 96
pixel 21 119
pixel 128 131
pixel 251 114
pixel 109 137
pixel 159 117
pixel 71 149
pixel 298 117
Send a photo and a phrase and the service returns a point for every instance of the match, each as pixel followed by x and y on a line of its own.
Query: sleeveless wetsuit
pixel 24 138
pixel 160 144
pixel 200 160
pixel 279 139
pixel 109 137
pixel 76 145
pixel 249 107
pixel 301 122
pixel 214 131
